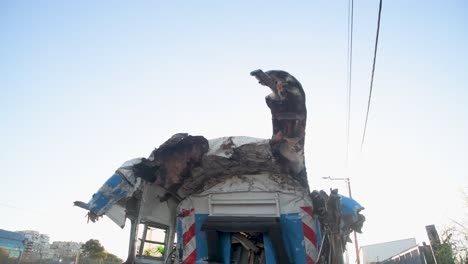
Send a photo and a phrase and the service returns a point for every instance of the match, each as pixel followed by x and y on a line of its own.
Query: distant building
pixel 62 249
pixel 376 253
pixel 415 255
pixel 37 245
pixel 12 242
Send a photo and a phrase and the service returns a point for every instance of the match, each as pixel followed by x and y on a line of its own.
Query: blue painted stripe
pixel 202 244
pixel 226 247
pixel 269 250
pixel 113 181
pixel 293 236
pixel 179 231
pixel 318 232
pixel 112 191
pixel 98 203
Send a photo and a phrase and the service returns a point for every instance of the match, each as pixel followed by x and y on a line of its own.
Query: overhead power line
pixel 22 209
pixel 349 73
pixel 372 75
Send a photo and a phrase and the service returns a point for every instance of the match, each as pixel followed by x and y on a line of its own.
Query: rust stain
pixel 279 87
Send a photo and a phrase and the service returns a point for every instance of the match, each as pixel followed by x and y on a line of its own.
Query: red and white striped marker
pixel 310 237
pixel 189 245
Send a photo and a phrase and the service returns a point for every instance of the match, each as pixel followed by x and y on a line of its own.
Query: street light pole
pixel 348 181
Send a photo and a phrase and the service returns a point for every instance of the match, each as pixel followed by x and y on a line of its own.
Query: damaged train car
pixel 230 199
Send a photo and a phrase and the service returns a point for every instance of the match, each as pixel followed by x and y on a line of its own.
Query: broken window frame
pixel 143 240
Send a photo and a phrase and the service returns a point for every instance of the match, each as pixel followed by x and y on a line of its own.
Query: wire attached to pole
pixel 372 76
pixel 350 67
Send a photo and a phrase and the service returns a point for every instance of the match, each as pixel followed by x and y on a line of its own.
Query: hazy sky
pixel 87 85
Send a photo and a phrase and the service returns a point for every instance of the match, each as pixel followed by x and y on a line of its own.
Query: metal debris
pixel 338 216
pixel 189 166
pixel 174 160
pixel 289 116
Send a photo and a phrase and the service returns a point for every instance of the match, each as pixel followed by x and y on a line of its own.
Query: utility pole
pixel 348 181
pixel 40 255
pixel 21 251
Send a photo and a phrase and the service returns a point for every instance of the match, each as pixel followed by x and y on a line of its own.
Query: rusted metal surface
pixel 229 157
pixel 187 164
pixel 179 167
pixel 287 103
pixel 174 160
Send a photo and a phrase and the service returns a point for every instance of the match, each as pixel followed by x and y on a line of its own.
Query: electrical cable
pixel 372 75
pixel 350 67
pixel 22 209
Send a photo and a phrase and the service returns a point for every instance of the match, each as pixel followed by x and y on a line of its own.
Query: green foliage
pixel 154 251
pixel 454 245
pixel 93 249
pixel 444 251
pixel 111 258
pixel 94 252
pixel 5 257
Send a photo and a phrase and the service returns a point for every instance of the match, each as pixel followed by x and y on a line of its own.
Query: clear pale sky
pixel 87 85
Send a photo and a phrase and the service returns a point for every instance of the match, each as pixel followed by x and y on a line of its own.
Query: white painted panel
pixel 217 149
pixel 244 204
pixel 117 214
pixel 152 209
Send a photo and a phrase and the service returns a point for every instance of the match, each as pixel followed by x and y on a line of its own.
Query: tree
pixel 111 258
pixel 156 251
pixel 453 248
pixel 454 245
pixel 92 250
pixel 444 250
pixel 4 255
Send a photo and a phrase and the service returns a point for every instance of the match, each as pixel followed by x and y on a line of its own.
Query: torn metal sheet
pixel 338 216
pixel 174 160
pixel 120 186
pixel 114 190
pixel 228 157
pixel 117 214
pixel 224 146
pixel 289 116
pixel 350 212
pixel 157 206
pixel 258 182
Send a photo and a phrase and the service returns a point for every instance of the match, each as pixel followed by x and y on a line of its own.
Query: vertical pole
pixel 77 257
pixel 40 256
pixel 135 222
pixel 358 261
pixel 20 256
pixel 357 248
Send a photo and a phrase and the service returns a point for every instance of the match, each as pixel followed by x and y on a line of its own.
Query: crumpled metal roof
pixel 186 165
